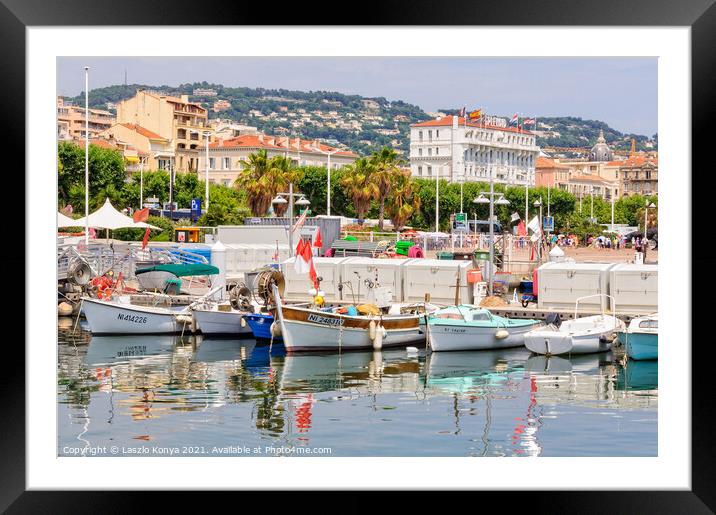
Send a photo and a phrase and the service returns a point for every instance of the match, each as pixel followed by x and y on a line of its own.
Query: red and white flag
pixel 304 261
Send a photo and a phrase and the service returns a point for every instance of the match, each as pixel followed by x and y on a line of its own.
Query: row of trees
pixel 376 186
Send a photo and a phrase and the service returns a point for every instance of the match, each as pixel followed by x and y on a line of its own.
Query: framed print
pixel 407 256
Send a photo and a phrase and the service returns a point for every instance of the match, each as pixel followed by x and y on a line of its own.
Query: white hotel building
pixel 457 151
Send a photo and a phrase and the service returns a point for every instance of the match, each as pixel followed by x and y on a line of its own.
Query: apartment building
pixel 172 118
pixel 71 121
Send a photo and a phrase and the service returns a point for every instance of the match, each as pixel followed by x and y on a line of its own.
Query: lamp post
pixel 502 201
pixel 302 201
pixel 87 155
pixel 206 173
pixel 538 204
pixel 646 216
pixel 328 153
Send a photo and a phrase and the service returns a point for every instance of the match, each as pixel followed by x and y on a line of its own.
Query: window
pixel 430 135
pixel 480 316
pixel 430 151
pixel 437 134
pixel 420 151
pixel 430 170
pixel 420 135
pixel 212 164
pixel 227 163
pixel 437 151
pixel 420 170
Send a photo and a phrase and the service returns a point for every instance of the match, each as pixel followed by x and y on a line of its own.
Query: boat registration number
pixel 318 319
pixel 132 318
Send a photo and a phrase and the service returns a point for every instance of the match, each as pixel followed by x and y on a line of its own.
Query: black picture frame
pixel 699 15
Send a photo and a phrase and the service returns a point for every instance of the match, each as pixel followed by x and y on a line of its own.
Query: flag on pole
pixel 301 265
pixel 301 220
pixel 514 120
pixel 476 114
pixel 317 242
pixel 141 215
pixel 463 111
pixel 533 224
pixel 145 240
pixel 528 121
pixel 515 216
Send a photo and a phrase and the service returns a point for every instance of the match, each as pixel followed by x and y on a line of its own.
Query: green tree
pixel 404 200
pixel 255 180
pixel 358 185
pixel 386 171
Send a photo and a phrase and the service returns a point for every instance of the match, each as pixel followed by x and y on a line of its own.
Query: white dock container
pixel 559 285
pixel 357 269
pixel 634 288
pixel 245 257
pixel 438 278
pixel 298 285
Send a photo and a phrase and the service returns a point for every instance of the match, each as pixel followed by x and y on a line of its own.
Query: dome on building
pixel 601 151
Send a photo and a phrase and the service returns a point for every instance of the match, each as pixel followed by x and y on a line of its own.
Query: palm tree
pixel 387 170
pixel 254 179
pixel 404 200
pixel 359 185
pixel 282 171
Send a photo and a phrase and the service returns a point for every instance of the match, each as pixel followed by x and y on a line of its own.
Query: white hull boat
pixel 212 321
pixel 583 335
pixel 468 327
pixel 580 336
pixel 119 317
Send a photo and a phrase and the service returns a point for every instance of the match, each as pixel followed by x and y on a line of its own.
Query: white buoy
pixel 501 334
pixel 411 350
pixel 243 322
pixel 64 309
pixel 275 329
pixel 378 341
pixel 371 330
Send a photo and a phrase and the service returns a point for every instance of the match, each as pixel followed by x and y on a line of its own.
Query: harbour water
pixel 184 396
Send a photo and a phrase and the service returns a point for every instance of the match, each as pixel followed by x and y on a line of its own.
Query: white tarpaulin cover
pixel 66 221
pixel 107 217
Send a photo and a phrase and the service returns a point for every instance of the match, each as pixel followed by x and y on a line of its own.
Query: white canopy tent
pixel 66 221
pixel 107 217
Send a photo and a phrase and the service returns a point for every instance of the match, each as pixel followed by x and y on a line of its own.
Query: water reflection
pixel 186 390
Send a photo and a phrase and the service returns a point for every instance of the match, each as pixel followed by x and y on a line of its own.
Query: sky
pixel 621 91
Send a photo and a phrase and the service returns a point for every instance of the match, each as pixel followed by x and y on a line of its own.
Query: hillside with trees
pixel 360 123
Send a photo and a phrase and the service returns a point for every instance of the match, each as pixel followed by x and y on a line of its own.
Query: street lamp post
pixel 538 204
pixel 206 167
pixel 316 148
pixel 502 201
pixel 646 216
pixel 302 201
pixel 87 155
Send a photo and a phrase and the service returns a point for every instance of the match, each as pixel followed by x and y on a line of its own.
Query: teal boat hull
pixel 640 346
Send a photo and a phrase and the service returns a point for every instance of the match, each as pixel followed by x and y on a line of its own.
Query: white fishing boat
pixel 120 316
pixel 215 319
pixel 468 327
pixel 578 336
pixel 308 328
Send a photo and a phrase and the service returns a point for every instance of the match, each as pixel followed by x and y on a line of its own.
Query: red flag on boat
pixel 141 215
pixel 146 238
pixel 318 242
pixel 301 265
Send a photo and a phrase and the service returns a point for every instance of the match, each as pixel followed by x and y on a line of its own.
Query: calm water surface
pixel 166 395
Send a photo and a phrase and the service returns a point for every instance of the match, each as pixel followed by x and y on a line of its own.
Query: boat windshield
pixel 480 316
pixel 649 324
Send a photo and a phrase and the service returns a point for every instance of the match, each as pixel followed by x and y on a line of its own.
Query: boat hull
pixel 582 336
pixel 109 317
pixel 309 330
pixel 444 337
pixel 640 346
pixel 260 325
pixel 221 323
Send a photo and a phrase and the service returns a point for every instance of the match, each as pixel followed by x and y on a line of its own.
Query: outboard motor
pixel 553 319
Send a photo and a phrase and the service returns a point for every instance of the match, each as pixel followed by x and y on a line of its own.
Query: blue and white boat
pixel 468 327
pixel 260 324
pixel 641 338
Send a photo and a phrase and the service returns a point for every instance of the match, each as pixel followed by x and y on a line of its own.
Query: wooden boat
pixel 641 338
pixel 468 327
pixel 307 328
pixel 578 336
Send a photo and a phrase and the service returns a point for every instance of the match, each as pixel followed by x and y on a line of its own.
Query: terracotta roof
pixel 589 178
pixel 103 143
pixel 635 161
pixel 545 162
pixel 446 121
pixel 144 132
pixel 277 143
